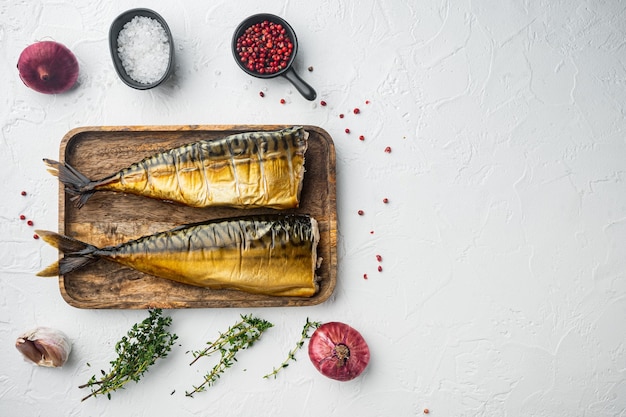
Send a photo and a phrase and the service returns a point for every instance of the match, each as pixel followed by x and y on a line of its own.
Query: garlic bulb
pixel 44 346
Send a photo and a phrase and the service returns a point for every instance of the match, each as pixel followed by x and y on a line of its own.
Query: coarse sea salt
pixel 144 49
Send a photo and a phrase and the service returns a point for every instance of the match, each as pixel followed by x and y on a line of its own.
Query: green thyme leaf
pixel 238 337
pixel 136 352
pixel 292 353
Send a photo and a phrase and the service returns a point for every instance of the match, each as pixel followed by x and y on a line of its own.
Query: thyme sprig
pixel 143 344
pixel 292 353
pixel 240 336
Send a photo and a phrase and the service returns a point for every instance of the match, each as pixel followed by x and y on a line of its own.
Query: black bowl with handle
pixel 288 72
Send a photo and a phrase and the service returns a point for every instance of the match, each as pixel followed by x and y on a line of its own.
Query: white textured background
pixel 504 241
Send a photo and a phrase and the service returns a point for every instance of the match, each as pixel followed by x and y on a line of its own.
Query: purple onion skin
pixel 48 67
pixel 338 351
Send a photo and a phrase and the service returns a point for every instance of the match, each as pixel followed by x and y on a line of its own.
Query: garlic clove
pixel 44 346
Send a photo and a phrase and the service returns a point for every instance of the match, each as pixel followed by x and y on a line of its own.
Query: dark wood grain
pixel 110 218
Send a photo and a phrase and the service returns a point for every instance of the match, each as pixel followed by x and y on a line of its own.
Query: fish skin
pixel 245 170
pixel 268 254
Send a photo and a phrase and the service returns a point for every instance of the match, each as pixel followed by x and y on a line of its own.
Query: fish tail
pixel 77 254
pixel 75 182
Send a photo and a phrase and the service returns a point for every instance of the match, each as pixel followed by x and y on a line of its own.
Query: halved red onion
pixel 338 351
pixel 48 67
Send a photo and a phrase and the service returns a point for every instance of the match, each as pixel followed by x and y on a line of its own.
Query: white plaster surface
pixel 503 290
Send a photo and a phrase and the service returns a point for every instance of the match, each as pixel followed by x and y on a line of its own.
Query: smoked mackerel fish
pixel 245 170
pixel 274 254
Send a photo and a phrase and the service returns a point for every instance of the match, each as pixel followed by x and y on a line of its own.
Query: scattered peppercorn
pixel 322 103
pixel 347 130
pixel 23 193
pixel 385 200
pixel 35 236
pixel 341 116
pixel 30 223
pixel 360 212
pixel 379 258
pixel 388 149
pixel 367 102
pixel 282 101
pixel 380 268
pixel 356 110
pixel 22 217
pixel 364 276
pixel 310 68
pixel 261 93
pixel 361 137
pixel 426 411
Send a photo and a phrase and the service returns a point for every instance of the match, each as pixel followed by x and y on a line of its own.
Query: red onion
pixel 338 351
pixel 48 67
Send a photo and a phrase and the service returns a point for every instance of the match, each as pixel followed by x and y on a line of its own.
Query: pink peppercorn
pixel 347 130
pixel 360 212
pixel 322 103
pixel 388 149
pixel 264 47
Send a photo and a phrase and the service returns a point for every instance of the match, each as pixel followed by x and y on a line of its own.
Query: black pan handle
pixel 306 90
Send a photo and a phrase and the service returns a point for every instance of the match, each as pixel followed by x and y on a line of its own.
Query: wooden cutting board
pixel 111 218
